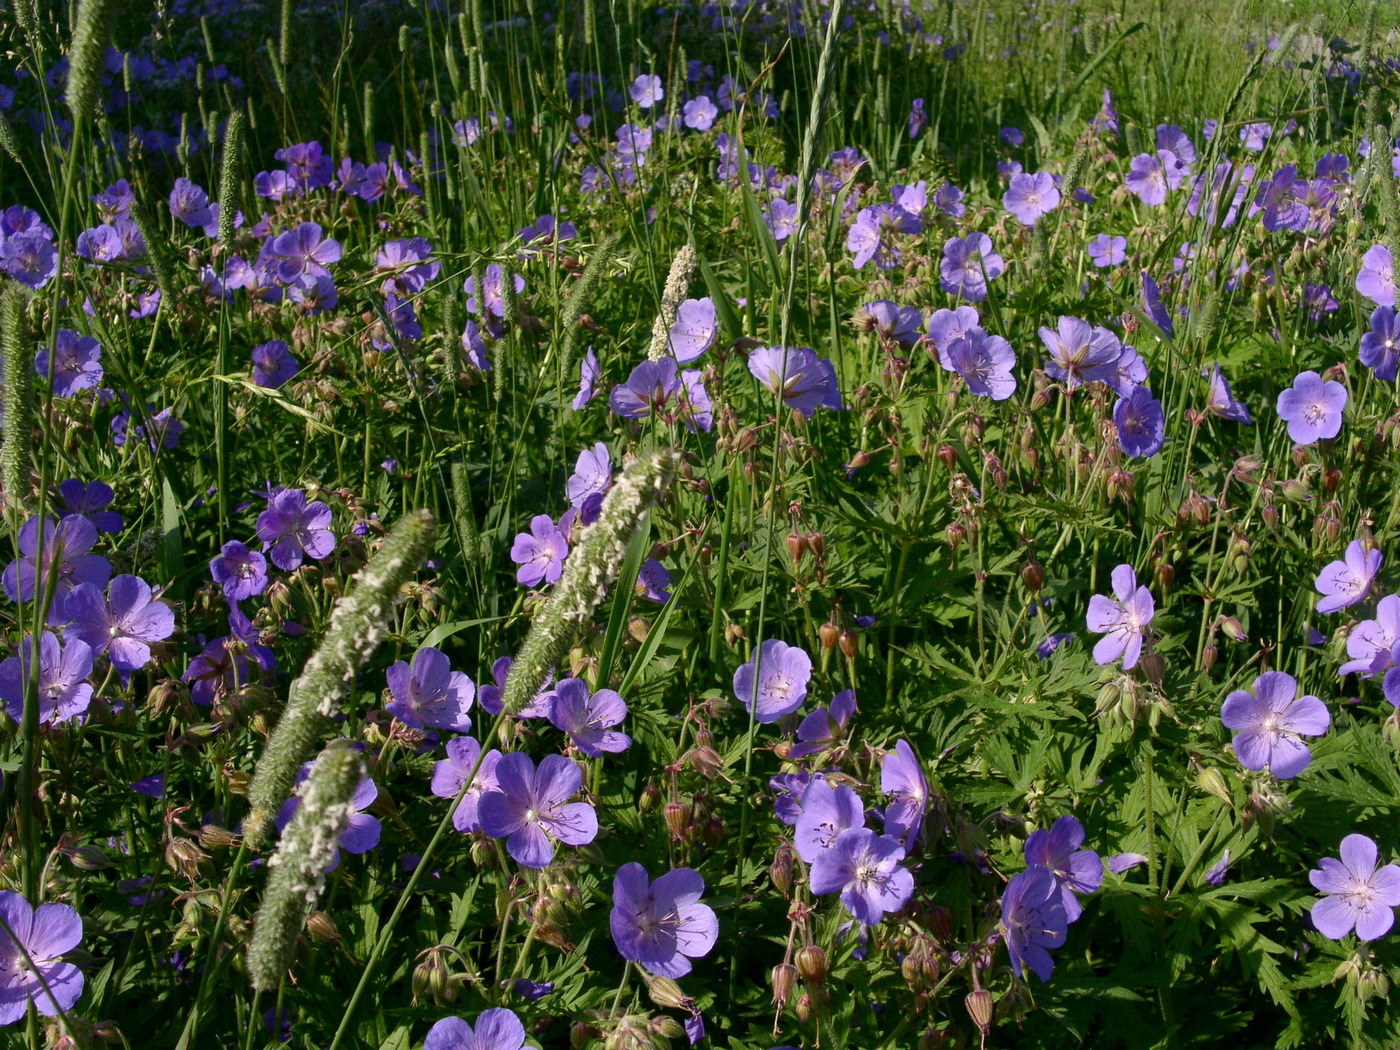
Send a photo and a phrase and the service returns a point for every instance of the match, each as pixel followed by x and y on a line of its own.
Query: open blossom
pixel 586 716
pixel 77 363
pixel 695 329
pixel 589 374
pixel 823 727
pixel 1031 196
pixel 1033 916
pixel 452 772
pixel 1312 408
pixel 968 264
pixel 59 552
pixel 873 235
pixel 1359 895
pixel 1107 250
pixel 984 361
pixel 540 553
pixel 661 925
pixel 528 808
pixel 805 381
pixel 33 942
pixel 1344 583
pixel 428 693
pixel 292 529
pixel 1057 849
pixel 592 475
pixel 864 868
pixel 241 572
pixel 902 778
pixel 774 682
pixel 1141 424
pixel 123 625
pixel 1269 724
pixel 64 691
pixel 827 810
pixel 660 388
pixel 1376 281
pixel 1220 401
pixel 1122 622
pixel 1080 352
pixel 1380 347
pixel 496 1029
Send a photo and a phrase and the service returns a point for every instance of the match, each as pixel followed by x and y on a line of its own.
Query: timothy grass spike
pixel 85 59
pixel 16 451
pixel 228 174
pixel 677 283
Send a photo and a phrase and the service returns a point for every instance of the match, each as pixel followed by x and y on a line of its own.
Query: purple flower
pixel 241 572
pixel 592 475
pixel 890 321
pixel 1076 870
pixel 293 529
pixel 653 582
pixel 409 266
pixel 589 374
pixel 190 204
pixel 984 361
pixel 902 778
pixel 864 868
pixel 586 717
pixel 452 772
pixel 358 832
pixel 1049 645
pixel 774 682
pixel 658 387
pixel 824 726
pixel 528 808
pixel 1142 426
pixel 540 553
pixel 1012 136
pixel 1269 724
pixel 65 561
pixel 918 119
pixel 947 326
pixel 1123 622
pixel 1358 895
pixel 1344 583
pixel 88 500
pixel 827 810
pixel 30 258
pixel 968 264
pixel 302 252
pixel 1380 347
pixel 1106 119
pixel 661 925
pixel 1312 409
pixel 694 331
pixel 948 199
pixel 33 942
pixel 699 113
pixel 428 693
pixel 1106 250
pixel 123 625
pixel 1080 353
pixel 1153 306
pixel 1151 175
pixel 1029 197
pixel 273 364
pixel 1376 281
pixel 64 692
pixel 1221 402
pixel 1121 862
pixel 803 380
pixel 496 1029
pixel 872 235
pixel 647 90
pixel 77 363
pixel 781 219
pixel 1129 372
pixel 1033 916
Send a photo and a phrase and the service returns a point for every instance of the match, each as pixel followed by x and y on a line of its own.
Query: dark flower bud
pixel 1152 666
pixel 947 456
pixel 712 831
pixel 780 871
pixel 746 440
pixel 1033 575
pixel 1331 479
pixel 1166 574
pixel 848 642
pixel 860 459
pixel 956 533
pixel 805 1006
pixel 705 760
pixel 88 858
pixel 321 928
pixel 796 547
pixel 979 1004
pixel 1232 629
pixel 677 816
pixel 811 963
pixel 938 920
pixel 816 543
pixel 1120 485
pixel 784 982
pixel 1210 655
pixel 1269 513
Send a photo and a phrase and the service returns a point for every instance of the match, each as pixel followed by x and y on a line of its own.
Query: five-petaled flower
pixel 1269 724
pixel 33 942
pixel 1344 583
pixel 774 682
pixel 429 693
pixel 1312 408
pixel 496 1029
pixel 1123 623
pixel 1076 870
pixel 1359 895
pixel 864 868
pixel 540 553
pixel 1033 916
pixel 528 808
pixel 661 925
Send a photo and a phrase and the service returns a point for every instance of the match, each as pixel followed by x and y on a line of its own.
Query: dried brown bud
pixel 1033 574
pixel 796 547
pixel 784 982
pixel 979 1007
pixel 321 928
pixel 811 963
pixel 677 816
pixel 816 542
pixel 848 642
pixel 705 760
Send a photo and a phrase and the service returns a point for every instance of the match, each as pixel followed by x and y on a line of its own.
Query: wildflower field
pixel 755 524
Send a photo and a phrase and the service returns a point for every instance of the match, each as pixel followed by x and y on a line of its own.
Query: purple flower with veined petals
pixel 1153 306
pixel 302 251
pixel 894 324
pixel 947 326
pixel 872 235
pixel 540 553
pixel 88 500
pixel 984 361
pixel 273 364
pixel 190 204
pixel 1142 426
pixel 1376 281
pixel 588 375
pixel 660 388
pixel 1344 583
pixel 293 529
pixel 1033 917
pixel 123 625
pixel 968 264
pixel 1080 352
pixel 30 258
pixel 586 717
pixel 805 381
pixel 489 694
pixel 1380 347
pixel 528 808
pixel 495 304
pixel 1106 250
pixel 592 474
pixel 1123 622
pixel 1076 870
pixel 699 113
pixel 902 778
pixel 694 331
pixel 1312 408
pixel 77 364
pixel 653 582
pixel 428 693
pixel 358 832
pixel 65 559
pixel 64 692
pixel 241 572
pixel 661 925
pixel 1121 862
pixel 1147 178
pixel 647 91
pixel 33 942
pixel 452 772
pixel 823 727
pixel 1030 197
pixel 1269 724
pixel 1359 895
pixel 1221 402
pixel 1369 642
pixel 1129 372
pixel 409 266
pixel 864 868
pixel 948 199
pixel 496 1029
pixel 781 219
pixel 774 682
pixel 827 810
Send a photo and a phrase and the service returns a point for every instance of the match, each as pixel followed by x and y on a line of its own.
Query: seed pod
pixel 828 633
pixel 677 815
pixel 1033 575
pixel 784 982
pixel 979 1007
pixel 811 963
pixel 796 547
pixel 848 643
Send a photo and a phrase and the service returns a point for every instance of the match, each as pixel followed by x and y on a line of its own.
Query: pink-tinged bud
pixel 780 871
pixel 712 831
pixel 1232 629
pixel 734 635
pixel 828 634
pixel 796 547
pixel 706 761
pixel 938 920
pixel 956 533
pixel 1331 479
pixel 1210 655
pixel 948 456
pixel 746 440
pixel 650 798
pixel 849 643
pixel 677 816
pixel 979 1005
pixel 1033 575
pixel 859 460
pixel 1153 667
pixel 816 543
pixel 1300 455
pixel 666 993
pixel 1120 485
pixel 1166 574
pixel 784 982
pixel 1297 490
pixel 1269 513
pixel 811 964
